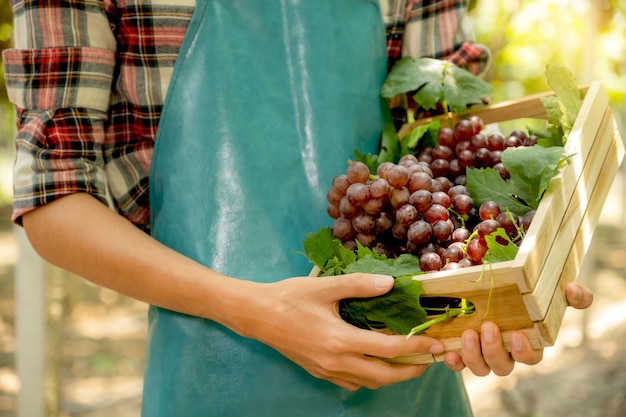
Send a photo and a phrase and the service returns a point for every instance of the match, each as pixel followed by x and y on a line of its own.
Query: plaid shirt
pixel 88 80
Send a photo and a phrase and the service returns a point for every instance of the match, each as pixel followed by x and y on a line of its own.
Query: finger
pixel 522 351
pixel 357 285
pixel 454 361
pixel 471 353
pixel 373 373
pixel 392 346
pixel 578 296
pixel 495 354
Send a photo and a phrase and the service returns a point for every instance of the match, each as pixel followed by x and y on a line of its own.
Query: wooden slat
pixel 529 107
pixel 583 213
pixel 536 244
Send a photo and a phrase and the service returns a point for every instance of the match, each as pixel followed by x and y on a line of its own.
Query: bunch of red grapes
pixel 420 205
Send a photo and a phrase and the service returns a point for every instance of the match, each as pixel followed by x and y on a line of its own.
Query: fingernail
pixel 383 281
pixel 437 349
pixel 488 333
pixel 517 344
pixel 468 341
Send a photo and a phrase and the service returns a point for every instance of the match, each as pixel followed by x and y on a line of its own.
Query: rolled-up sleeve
pixel 59 77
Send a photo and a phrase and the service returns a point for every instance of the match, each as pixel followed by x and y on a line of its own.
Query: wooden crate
pixel 528 293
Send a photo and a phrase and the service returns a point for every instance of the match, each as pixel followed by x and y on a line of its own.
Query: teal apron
pixel 268 101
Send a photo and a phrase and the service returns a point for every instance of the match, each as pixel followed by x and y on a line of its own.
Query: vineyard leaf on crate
pixel 531 169
pixel 485 184
pixel 399 310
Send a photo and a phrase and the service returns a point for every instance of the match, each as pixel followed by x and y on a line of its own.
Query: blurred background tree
pixel 7 119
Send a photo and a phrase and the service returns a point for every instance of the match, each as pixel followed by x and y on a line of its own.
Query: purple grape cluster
pixel 420 205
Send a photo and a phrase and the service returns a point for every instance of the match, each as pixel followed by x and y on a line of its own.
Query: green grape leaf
pixel 399 310
pixel 531 169
pixel 486 184
pixel 568 96
pixel 435 81
pixel 498 252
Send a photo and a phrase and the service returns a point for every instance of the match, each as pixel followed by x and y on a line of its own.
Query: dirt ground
pixel 103 334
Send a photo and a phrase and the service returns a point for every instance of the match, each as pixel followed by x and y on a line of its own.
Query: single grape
pixel 407 160
pixel 333 196
pixel 373 206
pixel 421 200
pixel 341 183
pixel 333 211
pixel 442 230
pixel 365 239
pixel 399 231
pixel 430 262
pixel 357 172
pixel 466 159
pixel 458 189
pixel 382 169
pixel 358 194
pixel 508 221
pixel 399 196
pixel 477 123
pixel 462 146
pixel 451 266
pixel 363 223
pixel 347 209
pixel 463 130
pixel 436 212
pixel 530 140
pixel 461 234
pixel 504 173
pixel 440 167
pixel 406 214
pixel 350 245
pixel 445 137
pixel 384 222
pixel 443 152
pixel 379 188
pixel 455 169
pixel 495 142
pixel 441 198
pixel 482 158
pixel 420 181
pixel 342 229
pixel 478 141
pixel 419 232
pixel 527 219
pixel 462 203
pixel 397 176
pixel 476 250
pixel 444 183
pixel 489 210
pixel 487 227
pixel 453 253
pixel 513 142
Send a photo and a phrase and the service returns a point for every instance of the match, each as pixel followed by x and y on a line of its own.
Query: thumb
pixel 360 285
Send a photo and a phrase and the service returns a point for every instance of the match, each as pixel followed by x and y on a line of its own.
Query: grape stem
pixel 447 314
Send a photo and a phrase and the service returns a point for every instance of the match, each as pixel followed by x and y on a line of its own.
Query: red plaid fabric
pixel 88 79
